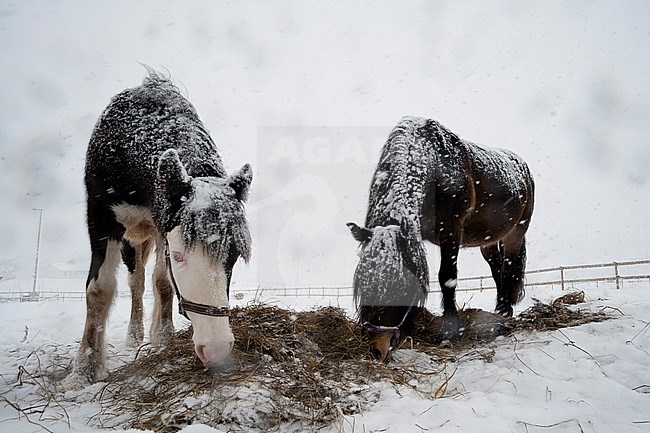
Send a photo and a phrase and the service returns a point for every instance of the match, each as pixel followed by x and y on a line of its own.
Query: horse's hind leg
pixel 162 325
pixel 493 255
pixel 101 288
pixel 512 273
pixel 135 258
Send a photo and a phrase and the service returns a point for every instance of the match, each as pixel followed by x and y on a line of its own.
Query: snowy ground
pixel 571 86
pixel 592 378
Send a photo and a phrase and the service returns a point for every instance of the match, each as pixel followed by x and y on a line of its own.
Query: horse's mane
pixel 158 91
pixel 217 219
pixel 162 100
pixel 399 183
pixel 397 193
pixel 401 258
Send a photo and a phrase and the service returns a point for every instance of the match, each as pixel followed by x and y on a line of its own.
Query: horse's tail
pixel 518 269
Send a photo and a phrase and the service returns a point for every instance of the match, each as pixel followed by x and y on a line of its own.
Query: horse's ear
pixel 240 181
pixel 360 234
pixel 172 180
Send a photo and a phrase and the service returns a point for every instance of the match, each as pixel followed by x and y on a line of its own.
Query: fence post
pixel 562 277
pixel 618 278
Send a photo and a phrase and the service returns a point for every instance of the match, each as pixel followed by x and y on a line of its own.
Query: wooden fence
pixel 613 274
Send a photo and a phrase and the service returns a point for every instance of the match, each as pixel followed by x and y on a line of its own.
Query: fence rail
pixel 616 274
pixel 22 296
pixel 565 276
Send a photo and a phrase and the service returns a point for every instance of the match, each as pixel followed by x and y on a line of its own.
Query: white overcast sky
pixel 564 84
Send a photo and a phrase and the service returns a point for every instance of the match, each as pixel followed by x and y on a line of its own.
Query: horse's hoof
pixel 505 311
pixel 162 335
pixel 450 330
pixel 100 375
pixel 134 339
pixel 450 336
pixel 86 370
pixel 75 381
pixel 487 331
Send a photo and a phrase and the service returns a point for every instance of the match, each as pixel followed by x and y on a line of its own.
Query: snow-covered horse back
pixel 432 185
pixel 154 180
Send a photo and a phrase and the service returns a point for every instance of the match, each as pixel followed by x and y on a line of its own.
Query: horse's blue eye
pixel 178 257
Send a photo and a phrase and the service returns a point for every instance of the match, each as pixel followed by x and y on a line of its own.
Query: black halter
pixel 395 330
pixel 185 306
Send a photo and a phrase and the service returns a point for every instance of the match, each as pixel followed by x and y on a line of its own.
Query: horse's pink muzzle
pixel 214 354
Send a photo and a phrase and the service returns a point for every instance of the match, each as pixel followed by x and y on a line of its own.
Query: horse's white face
pixel 201 280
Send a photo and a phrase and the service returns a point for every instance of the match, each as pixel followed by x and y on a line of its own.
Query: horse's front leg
pixel 135 258
pixel 90 362
pixel 447 276
pixel 162 324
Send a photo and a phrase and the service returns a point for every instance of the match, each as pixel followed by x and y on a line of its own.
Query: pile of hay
pixel 290 366
pixel 286 366
pixel 545 317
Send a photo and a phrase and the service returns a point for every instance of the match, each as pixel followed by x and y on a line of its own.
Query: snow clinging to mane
pixel 392 268
pixel 399 183
pixel 215 217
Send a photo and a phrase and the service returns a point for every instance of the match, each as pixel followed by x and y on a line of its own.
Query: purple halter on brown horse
pixel 432 185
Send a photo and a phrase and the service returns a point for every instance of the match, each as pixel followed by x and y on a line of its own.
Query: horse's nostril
pixel 214 354
pixel 376 353
pixel 200 352
pixel 380 345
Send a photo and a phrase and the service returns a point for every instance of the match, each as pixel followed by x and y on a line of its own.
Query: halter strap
pixel 185 306
pixel 387 329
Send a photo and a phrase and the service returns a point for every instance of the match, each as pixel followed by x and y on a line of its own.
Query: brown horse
pixel 432 185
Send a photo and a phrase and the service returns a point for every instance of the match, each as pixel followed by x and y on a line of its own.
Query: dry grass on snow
pixel 307 367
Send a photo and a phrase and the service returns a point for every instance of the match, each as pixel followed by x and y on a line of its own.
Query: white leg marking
pixel 90 362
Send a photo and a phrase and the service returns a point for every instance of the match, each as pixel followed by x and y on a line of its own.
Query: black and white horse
pixel 432 185
pixel 154 180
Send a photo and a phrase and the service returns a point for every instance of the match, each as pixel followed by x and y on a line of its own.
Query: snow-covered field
pixel 591 378
pixel 562 83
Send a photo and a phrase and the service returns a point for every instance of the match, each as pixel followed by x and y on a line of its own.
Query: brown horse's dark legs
pixel 513 272
pixel 447 276
pixel 493 254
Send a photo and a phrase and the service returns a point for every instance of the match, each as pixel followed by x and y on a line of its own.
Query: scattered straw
pixel 571 298
pixel 289 365
pixel 298 367
pixel 545 317
pixel 295 366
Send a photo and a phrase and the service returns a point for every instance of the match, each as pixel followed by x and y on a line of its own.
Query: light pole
pixel 38 248
pixel 297 265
